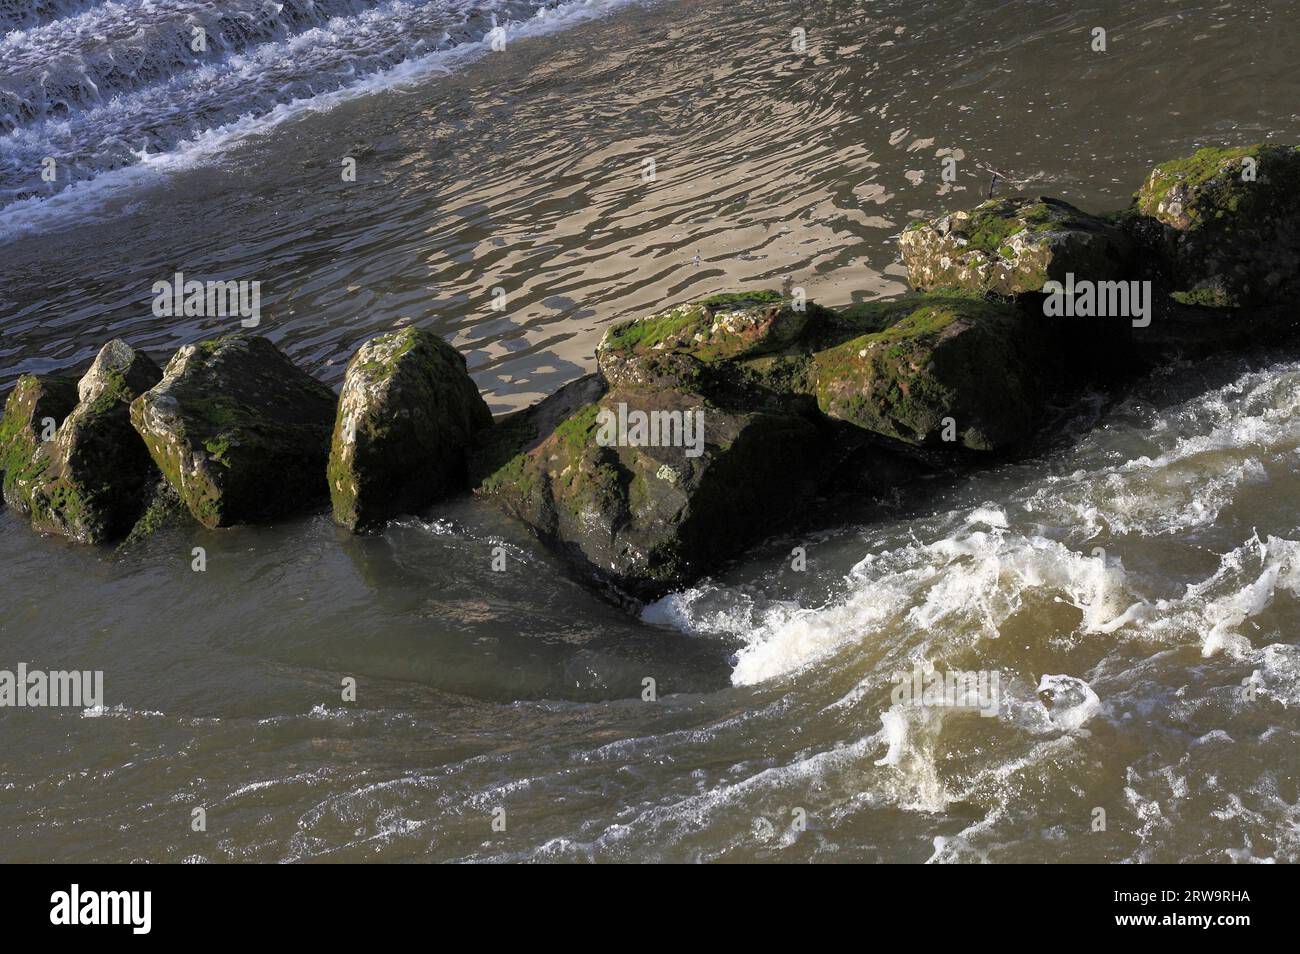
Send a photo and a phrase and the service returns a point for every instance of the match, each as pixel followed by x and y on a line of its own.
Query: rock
pixel 783 408
pixel 1228 220
pixel 984 365
pixel 406 421
pixel 164 510
pixel 240 432
pixel 35 408
pixel 652 517
pixel 89 483
pixel 1013 246
pixel 672 348
pixel 523 430
pixel 117 370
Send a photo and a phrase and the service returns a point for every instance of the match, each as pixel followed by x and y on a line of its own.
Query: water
pixel 1139 573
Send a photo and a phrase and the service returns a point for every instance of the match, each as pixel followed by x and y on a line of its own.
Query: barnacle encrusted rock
pixel 89 483
pixel 1229 225
pixel 1013 246
pixel 33 412
pixel 240 432
pixel 406 419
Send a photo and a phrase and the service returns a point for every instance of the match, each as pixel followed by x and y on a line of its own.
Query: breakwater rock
pixel 707 426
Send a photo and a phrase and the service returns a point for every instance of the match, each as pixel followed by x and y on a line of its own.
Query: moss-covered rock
pixel 1013 246
pixel 649 514
pixel 164 510
pixel 1229 225
pixel 781 407
pixel 676 347
pixel 35 409
pixel 90 483
pixel 406 420
pixel 240 432
pixel 978 370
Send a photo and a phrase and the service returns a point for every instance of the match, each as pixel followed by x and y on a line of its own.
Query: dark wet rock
pixel 89 483
pixel 522 430
pixel 944 370
pixel 1223 226
pixel 164 510
pixel 34 410
pixel 240 432
pixel 407 416
pixel 789 400
pixel 1012 246
pixel 711 425
pixel 863 400
pixel 650 517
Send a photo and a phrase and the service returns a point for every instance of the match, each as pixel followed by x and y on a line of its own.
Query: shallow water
pixel 1136 576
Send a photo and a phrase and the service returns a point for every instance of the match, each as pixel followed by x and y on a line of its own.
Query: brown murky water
pixel 1140 574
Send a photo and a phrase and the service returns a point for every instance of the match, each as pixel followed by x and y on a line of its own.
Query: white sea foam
pixel 1215 610
pixel 966 585
pixel 1204 452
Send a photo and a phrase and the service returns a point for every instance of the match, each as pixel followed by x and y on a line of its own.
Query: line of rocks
pixel 797 400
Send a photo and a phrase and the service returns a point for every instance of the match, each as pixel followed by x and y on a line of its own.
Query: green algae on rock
pixel 34 410
pixel 782 408
pixel 1012 246
pixel 757 402
pixel 649 351
pixel 650 516
pixel 89 483
pixel 1230 225
pixel 164 510
pixel 407 416
pixel 240 431
pixel 975 368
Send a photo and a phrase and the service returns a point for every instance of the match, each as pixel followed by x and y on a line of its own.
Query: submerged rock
pixel 240 432
pixel 89 483
pixel 1013 246
pixel 945 369
pixel 406 419
pixel 35 409
pixel 1227 225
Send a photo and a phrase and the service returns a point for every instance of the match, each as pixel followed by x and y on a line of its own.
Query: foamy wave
pixel 1205 451
pixel 1244 586
pixel 965 586
pixel 966 573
